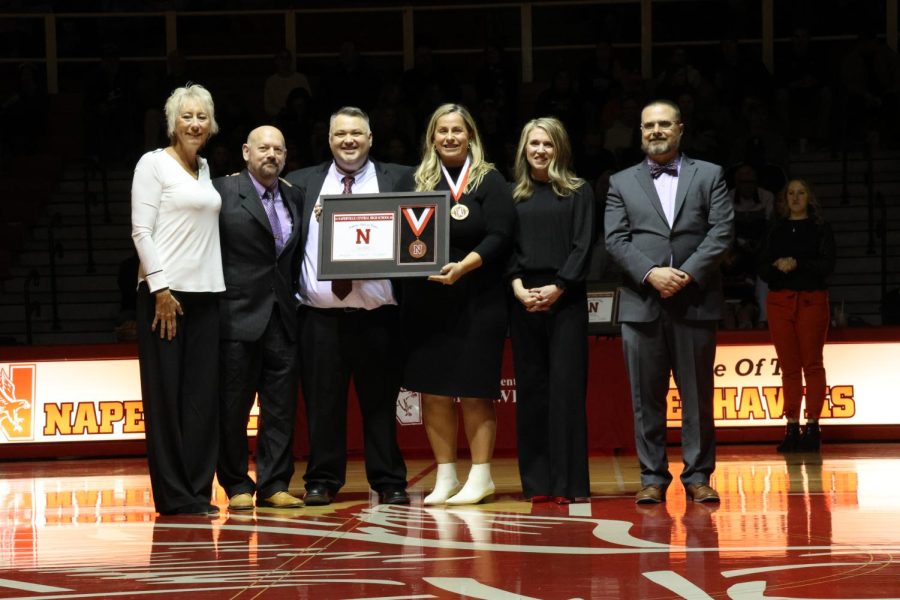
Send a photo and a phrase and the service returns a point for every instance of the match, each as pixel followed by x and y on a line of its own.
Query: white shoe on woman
pixel 446 484
pixel 478 486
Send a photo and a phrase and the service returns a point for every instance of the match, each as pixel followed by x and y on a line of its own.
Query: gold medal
pixel 418 249
pixel 459 211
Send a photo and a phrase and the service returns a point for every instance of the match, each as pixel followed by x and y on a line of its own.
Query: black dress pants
pixel 550 354
pixel 336 344
pixel 180 390
pixel 267 366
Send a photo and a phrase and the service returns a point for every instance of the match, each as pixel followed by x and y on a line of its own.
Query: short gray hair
pixel 180 96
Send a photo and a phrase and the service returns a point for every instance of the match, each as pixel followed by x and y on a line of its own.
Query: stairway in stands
pixel 88 299
pixel 856 283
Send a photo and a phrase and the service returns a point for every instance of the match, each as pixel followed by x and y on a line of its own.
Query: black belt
pixel 336 310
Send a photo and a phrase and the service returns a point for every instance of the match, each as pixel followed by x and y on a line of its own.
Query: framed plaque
pixel 602 307
pixel 382 236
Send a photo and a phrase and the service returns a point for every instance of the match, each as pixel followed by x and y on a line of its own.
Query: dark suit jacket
pixel 639 238
pixel 310 181
pixel 254 279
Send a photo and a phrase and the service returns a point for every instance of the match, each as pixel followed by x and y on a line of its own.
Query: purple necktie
pixel 656 169
pixel 268 202
pixel 342 287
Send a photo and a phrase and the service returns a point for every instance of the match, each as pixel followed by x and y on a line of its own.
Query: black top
pixel 810 243
pixel 454 334
pixel 554 235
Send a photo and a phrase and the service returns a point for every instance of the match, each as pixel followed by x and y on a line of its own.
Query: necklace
pixel 192 171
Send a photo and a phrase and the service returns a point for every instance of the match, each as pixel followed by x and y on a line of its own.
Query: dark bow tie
pixel 657 169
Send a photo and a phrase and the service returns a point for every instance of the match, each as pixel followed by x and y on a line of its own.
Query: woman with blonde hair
pixel 548 319
pixel 175 227
pixel 454 323
pixel 796 259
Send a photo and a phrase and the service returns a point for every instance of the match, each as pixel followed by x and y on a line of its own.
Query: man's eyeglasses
pixel 663 125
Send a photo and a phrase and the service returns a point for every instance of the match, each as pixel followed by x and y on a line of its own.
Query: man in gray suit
pixel 348 329
pixel 259 230
pixel 668 224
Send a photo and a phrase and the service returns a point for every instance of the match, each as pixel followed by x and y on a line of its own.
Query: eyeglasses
pixel 663 125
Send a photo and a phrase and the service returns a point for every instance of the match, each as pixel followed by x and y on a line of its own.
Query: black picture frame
pixel 603 309
pixel 370 236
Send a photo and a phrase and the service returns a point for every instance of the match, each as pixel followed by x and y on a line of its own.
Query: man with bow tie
pixel 668 224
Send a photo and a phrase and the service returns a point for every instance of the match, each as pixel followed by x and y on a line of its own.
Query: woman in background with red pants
pixel 796 258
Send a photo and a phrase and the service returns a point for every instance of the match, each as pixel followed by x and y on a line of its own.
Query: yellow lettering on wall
pixel 85 419
pixel 110 412
pixel 774 401
pixel 843 406
pixel 723 403
pixel 673 405
pixel 134 417
pixel 751 404
pixel 58 418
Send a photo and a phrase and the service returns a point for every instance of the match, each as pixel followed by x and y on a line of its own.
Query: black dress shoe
pixel 393 496
pixel 317 495
pixel 200 510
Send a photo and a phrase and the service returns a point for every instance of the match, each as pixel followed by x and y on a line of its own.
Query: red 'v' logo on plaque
pixel 17 383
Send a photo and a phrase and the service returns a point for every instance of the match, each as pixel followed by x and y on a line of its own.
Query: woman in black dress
pixel 548 319
pixel 796 258
pixel 455 323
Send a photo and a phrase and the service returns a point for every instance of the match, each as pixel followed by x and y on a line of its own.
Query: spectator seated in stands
pixel 870 76
pixel 282 82
pixel 744 292
pixel 296 123
pixel 803 98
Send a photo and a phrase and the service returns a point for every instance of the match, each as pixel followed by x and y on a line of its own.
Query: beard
pixel 659 146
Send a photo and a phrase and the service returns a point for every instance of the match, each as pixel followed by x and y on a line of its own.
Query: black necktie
pixel 657 169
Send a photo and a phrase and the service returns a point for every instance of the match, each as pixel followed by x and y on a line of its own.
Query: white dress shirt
pixel 667 188
pixel 367 293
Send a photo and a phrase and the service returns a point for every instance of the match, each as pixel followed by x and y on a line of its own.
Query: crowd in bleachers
pixel 737 113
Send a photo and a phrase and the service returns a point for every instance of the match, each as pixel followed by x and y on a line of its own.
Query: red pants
pixel 798 323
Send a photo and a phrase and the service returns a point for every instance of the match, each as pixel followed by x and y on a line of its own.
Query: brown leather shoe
pixel 701 492
pixel 241 502
pixel 651 494
pixel 280 500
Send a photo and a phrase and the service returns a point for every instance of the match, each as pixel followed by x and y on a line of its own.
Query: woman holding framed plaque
pixel 454 323
pixel 548 319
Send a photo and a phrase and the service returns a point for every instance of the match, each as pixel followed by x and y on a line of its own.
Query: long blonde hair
pixel 562 177
pixel 428 173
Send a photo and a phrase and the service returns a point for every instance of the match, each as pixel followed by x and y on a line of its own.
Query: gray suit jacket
pixel 639 238
pixel 254 278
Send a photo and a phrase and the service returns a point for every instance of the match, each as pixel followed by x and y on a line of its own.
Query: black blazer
pixel 254 278
pixel 311 179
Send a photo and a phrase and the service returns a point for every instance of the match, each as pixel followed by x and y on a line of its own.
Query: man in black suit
pixel 348 328
pixel 260 239
pixel 668 224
